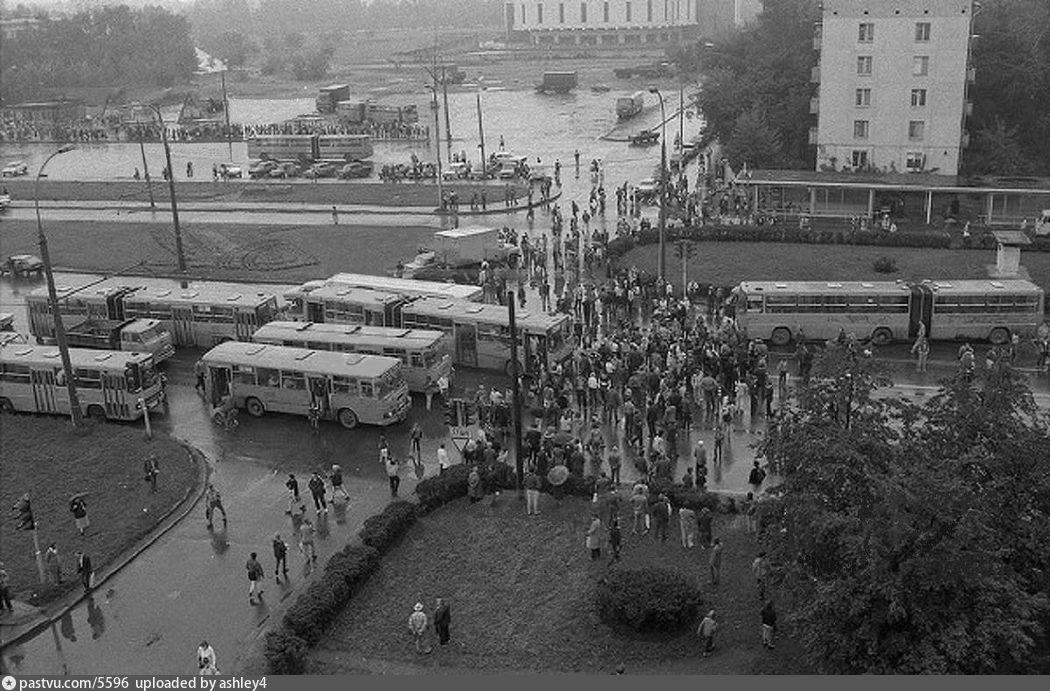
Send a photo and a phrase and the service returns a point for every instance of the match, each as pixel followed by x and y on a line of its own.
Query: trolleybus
pixel 285 147
pixel 111 384
pixel 422 353
pixel 351 388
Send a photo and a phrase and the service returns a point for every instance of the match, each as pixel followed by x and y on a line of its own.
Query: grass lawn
pixel 728 263
pixel 43 456
pixel 521 592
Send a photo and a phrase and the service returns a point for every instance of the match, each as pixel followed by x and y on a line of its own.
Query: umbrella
pixel 558 475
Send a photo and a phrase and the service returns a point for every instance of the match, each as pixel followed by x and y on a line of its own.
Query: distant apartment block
pixel 894 77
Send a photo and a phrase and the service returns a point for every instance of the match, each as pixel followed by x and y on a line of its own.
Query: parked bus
pixel 315 147
pixel 406 287
pixel 111 384
pixel 422 353
pixel 204 315
pixel 336 304
pixel 348 387
pixel 885 311
pixel 480 333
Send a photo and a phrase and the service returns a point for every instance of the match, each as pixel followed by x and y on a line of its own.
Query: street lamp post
pixel 663 181
pixel 180 255
pixel 52 296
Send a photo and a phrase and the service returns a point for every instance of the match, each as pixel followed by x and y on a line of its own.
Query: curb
pixel 183 507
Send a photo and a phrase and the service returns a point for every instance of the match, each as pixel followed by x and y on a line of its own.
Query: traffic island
pixel 46 458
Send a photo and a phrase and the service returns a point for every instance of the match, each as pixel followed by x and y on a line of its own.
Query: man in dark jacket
pixel 661 511
pixel 84 569
pixel 317 489
pixel 442 621
pixel 280 555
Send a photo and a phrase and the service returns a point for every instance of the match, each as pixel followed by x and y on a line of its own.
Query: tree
pixel 232 47
pixel 911 539
pixel 754 142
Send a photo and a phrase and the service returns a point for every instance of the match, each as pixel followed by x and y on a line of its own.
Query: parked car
pixel 321 170
pixel 230 170
pixel 285 169
pixel 261 169
pixel 23 265
pixel 356 169
pixel 14 169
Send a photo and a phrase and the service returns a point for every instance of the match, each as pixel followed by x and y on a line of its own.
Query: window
pixel 539 13
pixel 860 129
pixel 863 98
pixel 918 98
pixel 416 360
pixel 367 389
pixel 522 13
pixel 922 32
pixel 344 385
pixel 915 161
pixel 916 130
pixel 859 159
pixel 16 374
pixel 561 12
pixel 583 12
pixel 866 32
pixel 89 378
pixel 920 66
pixel 267 377
pixel 864 65
pixel 649 11
pixel 605 11
pixel 628 10
pixel 293 380
pixel 244 374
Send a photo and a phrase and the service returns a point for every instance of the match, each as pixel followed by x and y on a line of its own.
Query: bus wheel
pixel 6 406
pixel 96 413
pixel 781 336
pixel 254 407
pixel 999 336
pixel 348 418
pixel 881 336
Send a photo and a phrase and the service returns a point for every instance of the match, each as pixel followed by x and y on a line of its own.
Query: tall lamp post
pixel 52 297
pixel 663 180
pixel 180 255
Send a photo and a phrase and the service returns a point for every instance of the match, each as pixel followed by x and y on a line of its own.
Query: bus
pixel 111 384
pixel 290 147
pixel 335 304
pixel 350 388
pixel 887 311
pixel 480 333
pixel 422 353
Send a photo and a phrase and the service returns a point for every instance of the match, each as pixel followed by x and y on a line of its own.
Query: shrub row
pixel 382 531
pixel 648 600
pixel 938 239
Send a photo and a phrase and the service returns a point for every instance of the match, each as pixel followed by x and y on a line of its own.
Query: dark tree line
pixel 107 46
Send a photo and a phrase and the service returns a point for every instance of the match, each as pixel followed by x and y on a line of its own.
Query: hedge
pixel 648 600
pixel 285 652
pixel 383 530
pixel 436 491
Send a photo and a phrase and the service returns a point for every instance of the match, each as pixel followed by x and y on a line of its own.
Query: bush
pixel 381 531
pixel 885 265
pixel 316 608
pixel 436 491
pixel 648 600
pixel 285 652
pixel 353 565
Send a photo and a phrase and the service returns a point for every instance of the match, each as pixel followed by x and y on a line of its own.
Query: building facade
pixel 894 77
pixel 598 23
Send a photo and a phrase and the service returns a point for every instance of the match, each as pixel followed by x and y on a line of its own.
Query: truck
pixel 330 95
pixel 139 335
pixel 459 247
pixel 558 82
pixel 629 106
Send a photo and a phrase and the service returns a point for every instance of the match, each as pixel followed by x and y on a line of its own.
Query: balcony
pixel 971 75
pixel 812 136
pixel 965 141
pixel 814 106
pixel 968 109
pixel 814 75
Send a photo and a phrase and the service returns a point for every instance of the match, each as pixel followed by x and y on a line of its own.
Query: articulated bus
pixel 305 300
pixel 286 147
pixel 202 315
pixel 348 387
pixel 335 304
pixel 111 384
pixel 480 333
pixel 885 311
pixel 422 353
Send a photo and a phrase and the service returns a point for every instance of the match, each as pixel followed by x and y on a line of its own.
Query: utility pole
pixel 663 182
pixel 180 255
pixel 145 170
pixel 519 458
pixel 481 137
pixel 52 298
pixel 226 109
pixel 437 146
pixel 444 96
pixel 681 124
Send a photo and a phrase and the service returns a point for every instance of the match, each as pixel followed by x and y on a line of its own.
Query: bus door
pixel 375 317
pixel 920 309
pixel 182 325
pixel 219 381
pixel 244 324
pixel 392 314
pixel 44 384
pixel 115 305
pixel 320 391
pixel 466 344
pixel 314 312
pixel 113 398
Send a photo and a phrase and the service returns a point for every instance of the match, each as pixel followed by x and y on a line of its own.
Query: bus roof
pixel 458 233
pixel 100 290
pixel 355 295
pixel 78 357
pixel 366 335
pixel 320 361
pixel 408 286
pixel 962 286
pixel 495 314
pixel 202 295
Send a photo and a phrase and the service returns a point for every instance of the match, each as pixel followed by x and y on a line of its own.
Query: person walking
pixel 720 436
pixel 921 349
pixel 392 470
pixel 442 454
pixel 639 511
pixel 5 590
pixel 756 477
pixel 594 538
pixel 615 463
pixel 84 570
pixel 336 478
pixel 151 470
pixel 442 621
pixel 615 538
pixel 687 526
pixel 255 576
pixel 53 564
pixel 661 512
pixel 760 569
pixel 317 491
pixel 280 556
pixel 198 371
pixel 474 489
pixel 213 502
pixel 429 390
pixel 769 624
pixel 205 657
pixel 306 541
pixel 416 435
pixel 715 562
pixel 78 507
pixel 335 216
pixel 417 624
pixel 706 631
pixel 532 483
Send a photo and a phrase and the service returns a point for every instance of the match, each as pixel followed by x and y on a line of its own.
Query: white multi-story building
pixel 893 78
pixel 602 22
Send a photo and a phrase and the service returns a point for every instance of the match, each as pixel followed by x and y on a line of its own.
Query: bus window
pixel 16 374
pixel 344 385
pixel 367 390
pixel 267 377
pixel 416 360
pixel 754 303
pixel 293 380
pixel 396 352
pixel 89 379
pixel 132 378
pixel 244 374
